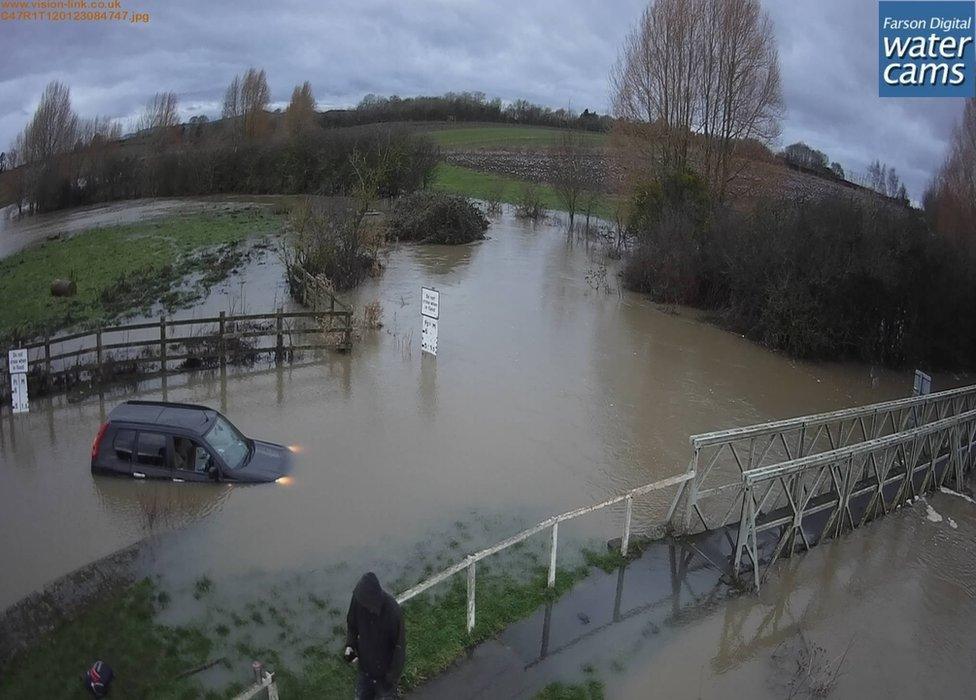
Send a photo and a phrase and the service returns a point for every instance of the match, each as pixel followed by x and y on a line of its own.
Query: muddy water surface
pixel 886 611
pixel 552 389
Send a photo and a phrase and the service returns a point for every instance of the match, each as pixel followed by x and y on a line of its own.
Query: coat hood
pixel 369 593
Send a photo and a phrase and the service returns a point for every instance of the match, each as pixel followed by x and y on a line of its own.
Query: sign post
pixel 430 303
pixel 17 366
pixel 923 384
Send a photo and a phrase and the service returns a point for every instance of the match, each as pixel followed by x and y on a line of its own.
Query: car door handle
pixel 139 475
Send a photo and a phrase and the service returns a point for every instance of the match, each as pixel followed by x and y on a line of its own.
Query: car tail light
pixel 98 440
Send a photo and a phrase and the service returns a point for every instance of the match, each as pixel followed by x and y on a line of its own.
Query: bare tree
pixel 951 198
pixel 97 130
pixel 254 103
pixel 53 129
pixel 654 83
pixel 161 113
pixel 696 80
pixel 884 180
pixel 245 104
pixel 568 170
pixel 14 181
pixel 893 183
pixel 300 114
pixel 232 99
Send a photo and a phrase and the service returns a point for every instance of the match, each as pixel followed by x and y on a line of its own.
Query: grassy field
pixel 479 185
pixel 507 136
pixel 148 656
pixel 120 269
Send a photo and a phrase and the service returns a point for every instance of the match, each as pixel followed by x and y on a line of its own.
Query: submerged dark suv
pixel 182 442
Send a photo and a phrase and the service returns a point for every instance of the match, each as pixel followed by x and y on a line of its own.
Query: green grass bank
pixel 149 657
pixel 122 269
pixel 481 185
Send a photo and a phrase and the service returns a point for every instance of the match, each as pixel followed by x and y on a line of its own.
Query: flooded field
pixel 886 611
pixel 552 388
pixel 19 233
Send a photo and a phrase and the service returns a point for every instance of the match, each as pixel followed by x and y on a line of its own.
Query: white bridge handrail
pixel 719 436
pixel 471 560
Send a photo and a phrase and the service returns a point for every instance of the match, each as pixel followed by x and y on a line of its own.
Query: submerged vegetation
pixel 437 217
pixel 590 690
pixel 332 239
pixel 121 270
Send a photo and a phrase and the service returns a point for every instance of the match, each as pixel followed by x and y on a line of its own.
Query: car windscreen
pixel 227 442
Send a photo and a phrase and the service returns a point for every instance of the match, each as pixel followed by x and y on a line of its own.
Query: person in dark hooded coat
pixel 375 634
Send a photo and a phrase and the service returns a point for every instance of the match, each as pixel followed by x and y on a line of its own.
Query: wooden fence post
pixel 47 361
pixel 471 585
pixel 280 345
pixel 162 344
pixel 98 347
pixel 625 539
pixel 220 341
pixel 552 554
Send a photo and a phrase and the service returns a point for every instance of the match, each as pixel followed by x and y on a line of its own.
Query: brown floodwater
pixel 887 612
pixel 552 388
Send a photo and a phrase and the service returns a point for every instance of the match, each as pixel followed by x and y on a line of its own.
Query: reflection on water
pixel 547 393
pixel 157 505
pixel 898 596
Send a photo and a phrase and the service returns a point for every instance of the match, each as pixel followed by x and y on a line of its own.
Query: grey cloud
pixel 556 53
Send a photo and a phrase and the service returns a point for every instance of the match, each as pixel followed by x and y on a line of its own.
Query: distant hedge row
pixel 319 162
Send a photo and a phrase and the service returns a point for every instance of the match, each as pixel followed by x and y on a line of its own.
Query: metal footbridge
pixel 753 495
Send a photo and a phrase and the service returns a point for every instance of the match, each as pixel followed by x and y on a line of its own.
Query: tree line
pixel 61 160
pixel 463 107
pixel 843 275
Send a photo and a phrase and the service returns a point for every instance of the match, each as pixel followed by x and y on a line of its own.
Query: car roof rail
pixel 169 404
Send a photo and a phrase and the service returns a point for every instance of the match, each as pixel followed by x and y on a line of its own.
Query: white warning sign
pixel 430 302
pixel 17 361
pixel 18 392
pixel 428 335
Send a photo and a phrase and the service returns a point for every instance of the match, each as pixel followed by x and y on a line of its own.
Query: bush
pixel 322 162
pixel 837 277
pixel 529 204
pixel 326 239
pixel 684 192
pixel 437 217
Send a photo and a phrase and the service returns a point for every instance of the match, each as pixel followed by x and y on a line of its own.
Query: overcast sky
pixel 555 52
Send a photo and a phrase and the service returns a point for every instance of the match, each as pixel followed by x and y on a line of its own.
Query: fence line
pixel 469 563
pixel 263 680
pixel 183 346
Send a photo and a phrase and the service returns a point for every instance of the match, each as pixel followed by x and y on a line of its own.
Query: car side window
pixel 123 444
pixel 151 450
pixel 190 455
